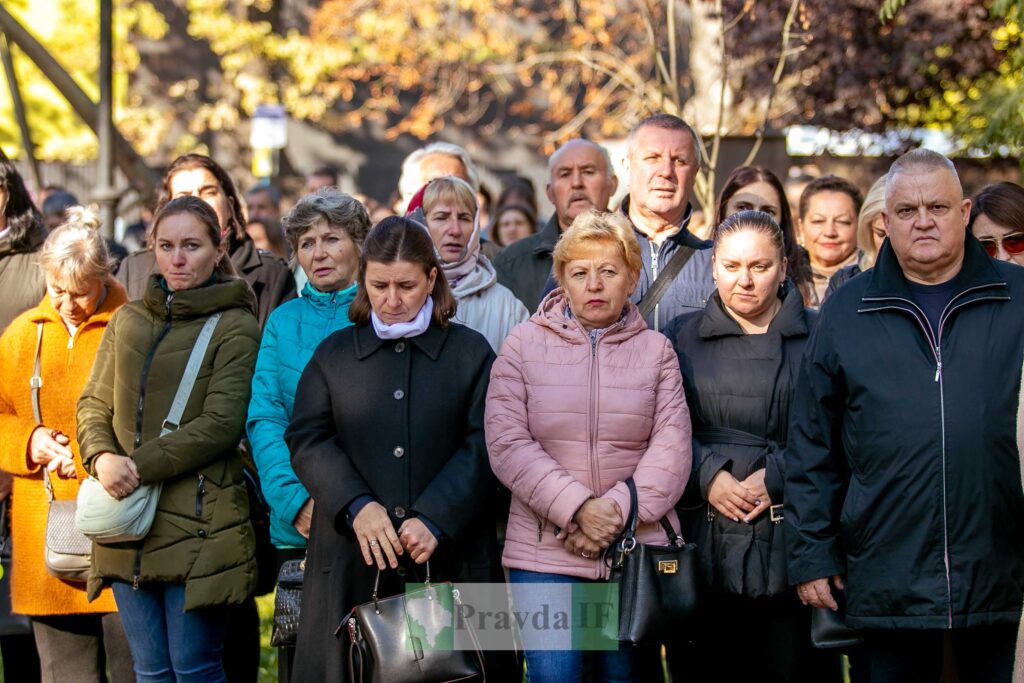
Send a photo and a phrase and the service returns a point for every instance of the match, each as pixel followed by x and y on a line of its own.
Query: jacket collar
pixel 790 321
pixel 683 238
pixel 198 302
pixel 33 241
pixel 329 300
pixel 887 280
pixel 245 256
pixel 551 313
pixel 548 237
pixel 430 342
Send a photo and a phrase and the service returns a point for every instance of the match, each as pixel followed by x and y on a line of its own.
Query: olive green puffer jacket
pixel 201 535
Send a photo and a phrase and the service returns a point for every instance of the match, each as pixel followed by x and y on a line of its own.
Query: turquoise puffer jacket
pixel 293 332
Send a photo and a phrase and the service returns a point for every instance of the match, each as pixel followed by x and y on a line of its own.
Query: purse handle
pixel 626 541
pixel 36 383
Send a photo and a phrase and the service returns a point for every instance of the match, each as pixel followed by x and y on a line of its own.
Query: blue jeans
pixel 566 666
pixel 168 644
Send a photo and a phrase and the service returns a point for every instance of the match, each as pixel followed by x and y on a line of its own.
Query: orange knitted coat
pixel 65 365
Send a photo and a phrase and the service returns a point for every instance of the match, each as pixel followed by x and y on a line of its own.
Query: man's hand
pixel 817 592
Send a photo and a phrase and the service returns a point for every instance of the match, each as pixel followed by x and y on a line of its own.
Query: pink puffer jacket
pixel 567 421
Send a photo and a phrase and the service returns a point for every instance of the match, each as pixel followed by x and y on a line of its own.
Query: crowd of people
pixel 822 397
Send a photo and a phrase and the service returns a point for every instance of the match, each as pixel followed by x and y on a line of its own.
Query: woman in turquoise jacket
pixel 326 231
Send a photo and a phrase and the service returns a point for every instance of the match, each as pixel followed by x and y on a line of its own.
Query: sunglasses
pixel 1013 244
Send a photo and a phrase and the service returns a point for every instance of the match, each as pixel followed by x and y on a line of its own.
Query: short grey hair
pixel 327 204
pixel 670 122
pixel 609 169
pixel 410 181
pixel 922 159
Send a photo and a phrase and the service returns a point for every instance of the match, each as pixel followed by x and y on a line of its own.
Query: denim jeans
pixel 566 666
pixel 168 644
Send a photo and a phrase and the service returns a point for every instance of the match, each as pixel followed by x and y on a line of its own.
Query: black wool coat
pixel 903 470
pixel 740 382
pixel 401 421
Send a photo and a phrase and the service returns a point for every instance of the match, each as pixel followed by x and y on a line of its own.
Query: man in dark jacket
pixel 903 469
pixel 580 176
pixel 663 158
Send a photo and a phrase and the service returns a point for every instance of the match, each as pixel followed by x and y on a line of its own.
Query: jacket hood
pixel 116 297
pixel 326 301
pixel 222 295
pixel 790 321
pixel 552 314
pixel 481 278
pixel 25 245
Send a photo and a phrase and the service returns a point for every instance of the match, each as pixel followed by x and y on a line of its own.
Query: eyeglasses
pixel 1012 243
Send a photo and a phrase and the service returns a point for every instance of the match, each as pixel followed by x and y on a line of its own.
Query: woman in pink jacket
pixel 582 397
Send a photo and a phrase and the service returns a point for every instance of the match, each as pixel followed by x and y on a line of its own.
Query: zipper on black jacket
pixel 138 569
pixel 934 338
pixel 145 370
pixel 200 490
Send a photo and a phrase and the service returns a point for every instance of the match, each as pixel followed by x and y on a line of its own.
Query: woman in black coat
pixel 388 437
pixel 739 358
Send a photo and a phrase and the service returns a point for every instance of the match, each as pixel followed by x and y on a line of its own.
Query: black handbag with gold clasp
pixel 658 592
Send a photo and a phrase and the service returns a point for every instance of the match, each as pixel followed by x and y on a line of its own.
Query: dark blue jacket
pixel 903 473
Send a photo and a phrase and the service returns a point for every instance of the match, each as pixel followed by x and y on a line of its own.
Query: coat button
pixel 399 394
pixel 398 452
pixel 202 533
pixel 400 571
pixel 399 347
pixel 400 512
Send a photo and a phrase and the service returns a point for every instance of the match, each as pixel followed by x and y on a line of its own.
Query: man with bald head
pixel 580 176
pixel 902 485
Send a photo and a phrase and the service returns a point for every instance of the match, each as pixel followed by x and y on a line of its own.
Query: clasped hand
pixel 51 449
pixel 117 473
pixel 381 545
pixel 598 521
pixel 739 500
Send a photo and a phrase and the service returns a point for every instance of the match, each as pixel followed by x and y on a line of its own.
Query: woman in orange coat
pixel 77 640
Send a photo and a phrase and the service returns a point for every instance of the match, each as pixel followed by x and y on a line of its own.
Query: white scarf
pixel 413 328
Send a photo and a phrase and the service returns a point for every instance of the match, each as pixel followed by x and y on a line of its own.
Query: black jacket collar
pixel 790 321
pixel 548 236
pixel 887 280
pixel 430 342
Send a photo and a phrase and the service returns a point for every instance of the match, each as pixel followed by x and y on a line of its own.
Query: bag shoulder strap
pixel 661 283
pixel 188 380
pixel 36 383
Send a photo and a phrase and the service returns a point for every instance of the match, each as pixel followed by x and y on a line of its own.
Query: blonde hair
pixel 874 204
pixel 74 252
pixel 598 227
pixel 449 187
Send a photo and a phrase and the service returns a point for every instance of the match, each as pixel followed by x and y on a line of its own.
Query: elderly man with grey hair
pixel 580 177
pixel 433 161
pixel 902 486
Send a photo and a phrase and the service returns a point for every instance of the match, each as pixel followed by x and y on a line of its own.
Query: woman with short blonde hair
pixel 76 639
pixel 448 208
pixel 598 229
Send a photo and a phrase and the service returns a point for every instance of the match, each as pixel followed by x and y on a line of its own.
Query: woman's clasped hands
pixel 51 449
pixel 382 545
pixel 598 521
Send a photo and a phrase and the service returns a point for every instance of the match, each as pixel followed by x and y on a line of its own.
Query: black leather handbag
pixel 829 629
pixel 287 601
pixel 407 638
pixel 658 592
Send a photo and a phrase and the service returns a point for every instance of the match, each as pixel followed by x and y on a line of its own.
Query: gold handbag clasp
pixel 668 566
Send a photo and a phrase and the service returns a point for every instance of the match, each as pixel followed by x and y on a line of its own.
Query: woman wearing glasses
pixel 997 220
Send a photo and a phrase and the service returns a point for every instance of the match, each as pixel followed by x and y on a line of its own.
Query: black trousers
pixel 83 647
pixel 983 654
pixel 767 640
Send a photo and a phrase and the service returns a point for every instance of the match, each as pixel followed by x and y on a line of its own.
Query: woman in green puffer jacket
pixel 172 588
